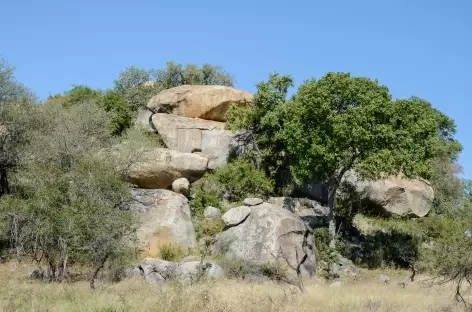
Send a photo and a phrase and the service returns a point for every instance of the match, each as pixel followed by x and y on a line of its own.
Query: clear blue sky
pixel 415 47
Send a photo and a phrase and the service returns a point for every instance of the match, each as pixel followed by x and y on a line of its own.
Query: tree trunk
pixel 4 187
pixel 332 222
pixel 97 270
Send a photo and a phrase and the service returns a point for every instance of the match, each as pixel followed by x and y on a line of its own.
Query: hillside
pixel 176 185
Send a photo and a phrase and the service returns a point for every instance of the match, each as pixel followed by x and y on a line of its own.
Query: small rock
pixel 211 212
pixel 190 271
pixel 36 274
pixel 3 260
pixel 252 201
pixel 384 278
pixel 181 186
pixel 236 215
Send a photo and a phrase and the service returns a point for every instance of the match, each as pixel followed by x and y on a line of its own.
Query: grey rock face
pixel 160 167
pixel 234 216
pixel 191 135
pixel 164 217
pixel 267 233
pixel 211 212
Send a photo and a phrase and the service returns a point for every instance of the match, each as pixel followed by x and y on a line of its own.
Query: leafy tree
pixel 263 125
pixel 80 94
pixel 122 116
pixel 10 89
pixel 353 124
pixel 16 119
pixel 340 123
pixel 68 204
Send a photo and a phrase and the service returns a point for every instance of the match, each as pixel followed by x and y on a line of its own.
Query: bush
pixel 234 182
pixel 208 227
pixel 274 271
pixel 171 252
pixel 326 256
pixel 237 268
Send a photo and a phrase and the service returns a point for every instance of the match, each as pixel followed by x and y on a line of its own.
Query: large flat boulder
pixel 191 135
pixel 206 102
pixel 164 218
pixel 395 195
pixel 158 168
pixel 269 232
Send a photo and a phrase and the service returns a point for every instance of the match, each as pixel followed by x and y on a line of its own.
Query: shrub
pixel 171 252
pixel 326 256
pixel 237 268
pixel 208 227
pixel 274 271
pixel 234 182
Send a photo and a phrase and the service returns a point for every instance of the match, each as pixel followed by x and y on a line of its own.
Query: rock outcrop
pixel 301 207
pixel 394 195
pixel 159 168
pixel 267 233
pixel 205 102
pixel 193 135
pixel 164 217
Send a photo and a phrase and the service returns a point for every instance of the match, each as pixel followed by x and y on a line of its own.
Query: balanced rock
pixel 164 218
pixel 266 234
pixel 190 135
pixel 181 186
pixel 158 168
pixel 395 195
pixel 234 216
pixel 201 101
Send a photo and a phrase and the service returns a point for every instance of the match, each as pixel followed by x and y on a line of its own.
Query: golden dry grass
pixel 367 294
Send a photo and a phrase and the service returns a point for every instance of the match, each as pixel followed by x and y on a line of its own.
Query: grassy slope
pixel 366 294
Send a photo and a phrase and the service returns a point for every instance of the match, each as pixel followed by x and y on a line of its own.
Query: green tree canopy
pixel 339 123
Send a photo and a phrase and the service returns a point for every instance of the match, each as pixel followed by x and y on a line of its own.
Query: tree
pixel 341 123
pixel 15 121
pixel 122 118
pixel 353 124
pixel 263 127
pixel 69 203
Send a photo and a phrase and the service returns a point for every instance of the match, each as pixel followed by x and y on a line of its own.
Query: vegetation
pixel 64 194
pixel 352 124
pixel 138 85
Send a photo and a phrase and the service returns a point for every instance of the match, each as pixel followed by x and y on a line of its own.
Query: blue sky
pixel 415 47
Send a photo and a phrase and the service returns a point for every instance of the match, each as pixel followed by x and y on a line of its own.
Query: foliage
pixel 11 90
pixel 275 271
pixel 80 94
pixel 207 227
pixel 235 181
pixel 15 122
pixel 451 256
pixel 122 118
pixel 171 252
pixel 138 85
pixel 326 256
pixel 339 123
pixel 263 125
pixel 61 214
pixel 237 268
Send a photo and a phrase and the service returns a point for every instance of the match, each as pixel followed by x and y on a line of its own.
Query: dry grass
pixel 367 294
